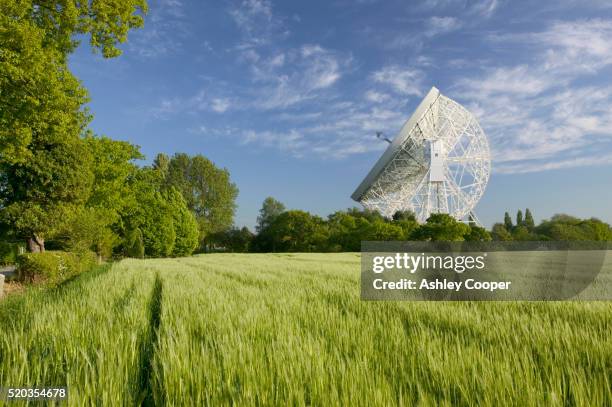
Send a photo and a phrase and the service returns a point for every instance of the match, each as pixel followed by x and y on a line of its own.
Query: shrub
pixel 185 225
pixel 135 246
pixel 53 267
pixel 9 252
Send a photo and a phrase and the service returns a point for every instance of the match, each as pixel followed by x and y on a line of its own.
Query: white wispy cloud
pixel 481 8
pixel 441 25
pixel 523 168
pixel 164 30
pixel 376 97
pixel 571 47
pixel 257 22
pixel 289 141
pixel 520 80
pixel 310 74
pixel 485 8
pixel 540 115
pixel 312 69
pixel 401 80
pixel 220 105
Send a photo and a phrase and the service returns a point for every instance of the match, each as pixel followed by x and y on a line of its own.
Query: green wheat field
pixel 290 329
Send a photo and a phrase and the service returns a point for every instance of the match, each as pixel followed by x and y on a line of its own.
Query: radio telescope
pixel 438 163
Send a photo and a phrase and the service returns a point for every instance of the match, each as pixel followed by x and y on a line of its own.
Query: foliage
pixel 529 222
pixel 185 225
pixel 521 233
pixel 168 227
pixel 380 230
pixel 45 165
pixel 298 231
pixel 53 267
pixel 40 99
pixel 564 227
pixel 349 228
pixel 106 21
pixel 134 244
pixel 559 228
pixel 519 218
pixel 500 233
pixel 113 168
pixel 55 180
pixel 404 215
pixel 478 234
pixel 207 190
pixel 344 231
pixel 49 160
pixel 9 252
pixel 86 228
pixel 156 223
pixel 508 222
pixel 270 210
pixel 161 163
pixel 235 240
pixel 441 227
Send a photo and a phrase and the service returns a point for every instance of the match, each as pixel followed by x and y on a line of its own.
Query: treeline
pixel 61 187
pixel 560 227
pixel 281 230
pixel 170 208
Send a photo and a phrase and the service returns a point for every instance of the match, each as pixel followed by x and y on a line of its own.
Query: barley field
pixel 290 329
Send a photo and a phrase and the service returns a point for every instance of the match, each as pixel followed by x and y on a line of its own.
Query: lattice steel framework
pixel 404 179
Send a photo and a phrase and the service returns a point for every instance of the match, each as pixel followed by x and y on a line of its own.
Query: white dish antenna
pixel 438 163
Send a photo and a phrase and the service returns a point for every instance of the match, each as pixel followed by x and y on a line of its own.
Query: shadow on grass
pixel 146 394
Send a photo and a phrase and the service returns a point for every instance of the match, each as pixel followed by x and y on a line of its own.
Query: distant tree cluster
pixel 281 230
pixel 558 228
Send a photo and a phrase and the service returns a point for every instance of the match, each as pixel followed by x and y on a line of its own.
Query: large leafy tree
pixel 38 193
pixel 270 210
pixel 344 231
pixel 158 214
pixel 184 222
pixel 45 168
pixel 113 166
pixel 150 213
pixel 298 231
pixel 441 227
pixel 207 190
pixel 97 225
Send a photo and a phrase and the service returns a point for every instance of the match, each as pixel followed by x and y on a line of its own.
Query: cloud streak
pixel 541 115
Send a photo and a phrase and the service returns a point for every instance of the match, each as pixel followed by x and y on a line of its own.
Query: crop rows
pixel 290 329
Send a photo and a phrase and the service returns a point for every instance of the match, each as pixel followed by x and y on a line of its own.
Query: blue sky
pixel 288 95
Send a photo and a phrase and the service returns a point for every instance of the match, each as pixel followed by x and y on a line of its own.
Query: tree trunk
pixel 36 244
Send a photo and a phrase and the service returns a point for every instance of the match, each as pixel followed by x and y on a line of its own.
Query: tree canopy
pixel 208 190
pixel 270 210
pixel 44 164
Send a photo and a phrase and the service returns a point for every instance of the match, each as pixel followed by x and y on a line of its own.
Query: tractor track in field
pixel 146 396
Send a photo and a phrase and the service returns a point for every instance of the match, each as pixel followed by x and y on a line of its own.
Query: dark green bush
pixel 135 246
pixel 8 253
pixel 53 267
